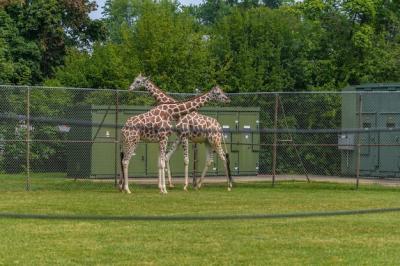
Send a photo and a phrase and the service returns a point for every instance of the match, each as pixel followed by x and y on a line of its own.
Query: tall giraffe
pixel 194 126
pixel 156 126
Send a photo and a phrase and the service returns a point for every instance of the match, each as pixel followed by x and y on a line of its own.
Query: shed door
pixel 389 155
pixel 248 160
pixel 369 154
pixel 230 123
pixel 103 149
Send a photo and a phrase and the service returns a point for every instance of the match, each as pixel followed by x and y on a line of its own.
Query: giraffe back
pixel 199 128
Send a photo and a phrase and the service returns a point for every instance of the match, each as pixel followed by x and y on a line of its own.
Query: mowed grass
pixel 368 239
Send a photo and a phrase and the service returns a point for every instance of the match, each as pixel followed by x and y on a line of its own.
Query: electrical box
pixel 346 142
pixel 379 151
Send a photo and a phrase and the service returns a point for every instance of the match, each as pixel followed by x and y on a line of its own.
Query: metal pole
pixel 293 144
pixel 194 164
pixel 117 157
pixel 28 147
pixel 274 146
pixel 301 162
pixel 358 162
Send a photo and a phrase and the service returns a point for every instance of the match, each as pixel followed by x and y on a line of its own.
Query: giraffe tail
pixel 228 167
pixel 122 167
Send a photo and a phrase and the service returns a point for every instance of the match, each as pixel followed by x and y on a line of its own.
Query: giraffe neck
pixel 158 94
pixel 192 105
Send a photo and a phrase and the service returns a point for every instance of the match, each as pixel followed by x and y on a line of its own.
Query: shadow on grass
pixel 173 218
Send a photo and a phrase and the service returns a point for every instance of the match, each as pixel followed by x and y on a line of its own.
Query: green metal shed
pixel 96 151
pixel 380 109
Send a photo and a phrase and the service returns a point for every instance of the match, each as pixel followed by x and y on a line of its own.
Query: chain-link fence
pixel 65 138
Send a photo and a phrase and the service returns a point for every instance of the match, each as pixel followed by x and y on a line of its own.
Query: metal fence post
pixel 358 162
pixel 117 157
pixel 28 147
pixel 274 146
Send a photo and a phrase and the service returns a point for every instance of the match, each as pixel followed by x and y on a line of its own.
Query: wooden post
pixel 28 136
pixel 274 146
pixel 358 162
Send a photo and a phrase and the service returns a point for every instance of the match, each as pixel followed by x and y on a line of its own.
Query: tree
pixel 49 27
pixel 255 49
pixel 360 42
pixel 171 48
pixel 162 41
pixel 19 58
pixel 210 11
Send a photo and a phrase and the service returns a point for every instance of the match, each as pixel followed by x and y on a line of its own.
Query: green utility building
pixel 95 150
pixel 380 108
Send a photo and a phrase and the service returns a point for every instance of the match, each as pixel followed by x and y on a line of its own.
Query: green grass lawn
pixel 368 239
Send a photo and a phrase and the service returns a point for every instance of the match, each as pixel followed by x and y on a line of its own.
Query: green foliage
pixel 253 49
pixel 154 38
pixel 361 38
pixel 211 11
pixel 246 46
pixel 171 49
pixel 19 58
pixel 35 35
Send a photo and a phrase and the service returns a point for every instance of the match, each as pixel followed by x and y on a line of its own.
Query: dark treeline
pixel 249 45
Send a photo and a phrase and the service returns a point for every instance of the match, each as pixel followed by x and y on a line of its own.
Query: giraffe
pixel 156 126
pixel 194 126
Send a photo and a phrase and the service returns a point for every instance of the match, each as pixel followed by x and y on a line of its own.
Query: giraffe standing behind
pixel 156 126
pixel 194 126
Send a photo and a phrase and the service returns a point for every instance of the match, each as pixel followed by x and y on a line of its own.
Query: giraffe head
pixel 140 81
pixel 217 94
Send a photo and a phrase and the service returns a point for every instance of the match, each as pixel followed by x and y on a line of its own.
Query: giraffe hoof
pixel 171 185
pixel 127 191
pixel 229 189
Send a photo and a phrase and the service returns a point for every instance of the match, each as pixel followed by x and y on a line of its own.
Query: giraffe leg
pixel 185 144
pixel 168 167
pixel 126 156
pixel 222 156
pixel 159 173
pixel 121 175
pixel 161 166
pixel 209 161
pixel 168 156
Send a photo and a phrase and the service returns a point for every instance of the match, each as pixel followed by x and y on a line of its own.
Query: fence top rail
pixel 87 123
pixel 378 90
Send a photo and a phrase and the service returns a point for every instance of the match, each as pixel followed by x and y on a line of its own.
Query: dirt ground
pixel 244 179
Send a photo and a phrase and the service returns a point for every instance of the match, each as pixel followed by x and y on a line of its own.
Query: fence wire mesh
pixel 65 138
